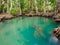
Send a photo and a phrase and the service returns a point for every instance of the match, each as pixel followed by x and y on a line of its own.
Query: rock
pixel 1 17
pixel 56 33
pixel 57 17
pixel 57 20
pixel 8 16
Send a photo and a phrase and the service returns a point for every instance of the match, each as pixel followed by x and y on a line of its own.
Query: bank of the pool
pixel 9 17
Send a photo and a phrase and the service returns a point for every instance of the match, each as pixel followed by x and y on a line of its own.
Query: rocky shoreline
pixel 57 17
pixel 8 16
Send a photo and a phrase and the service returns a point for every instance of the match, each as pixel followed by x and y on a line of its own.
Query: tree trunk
pixel 7 6
pixel 19 4
pixel 44 6
pixel 31 5
pixel 36 8
pixel 10 4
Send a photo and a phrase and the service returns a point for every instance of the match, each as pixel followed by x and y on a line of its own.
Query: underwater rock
pixel 39 32
pixel 53 41
pixel 55 38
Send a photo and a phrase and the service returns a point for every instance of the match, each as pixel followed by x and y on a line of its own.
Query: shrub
pixel 13 12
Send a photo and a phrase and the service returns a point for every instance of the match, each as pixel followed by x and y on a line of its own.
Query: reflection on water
pixel 26 31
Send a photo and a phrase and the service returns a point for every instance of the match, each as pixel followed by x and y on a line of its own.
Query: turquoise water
pixel 26 31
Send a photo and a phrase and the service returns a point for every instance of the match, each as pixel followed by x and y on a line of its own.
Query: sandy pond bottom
pixel 26 31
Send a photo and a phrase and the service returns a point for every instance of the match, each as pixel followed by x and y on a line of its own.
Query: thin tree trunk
pixel 29 4
pixel 56 8
pixel 44 6
pixel 36 8
pixel 10 4
pixel 3 5
pixel 20 7
pixel 7 6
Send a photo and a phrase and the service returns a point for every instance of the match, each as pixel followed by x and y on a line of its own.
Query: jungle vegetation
pixel 26 6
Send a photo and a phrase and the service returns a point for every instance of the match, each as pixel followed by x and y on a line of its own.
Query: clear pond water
pixel 27 31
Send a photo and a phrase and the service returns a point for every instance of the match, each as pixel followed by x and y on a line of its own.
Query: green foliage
pixel 17 6
pixel 25 9
pixel 1 10
pixel 0 0
pixel 41 6
pixel 5 7
pixel 52 4
pixel 13 12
